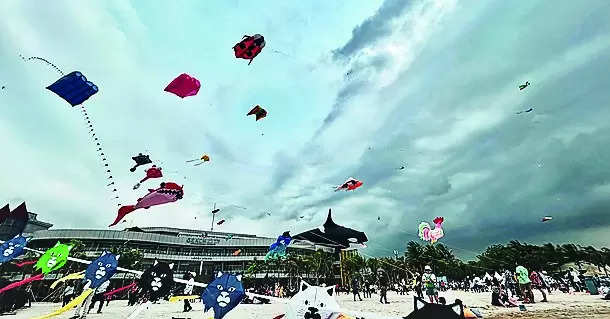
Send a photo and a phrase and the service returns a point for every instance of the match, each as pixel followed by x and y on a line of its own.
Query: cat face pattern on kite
pixel 184 85
pixel 157 281
pixel 12 248
pixel 313 302
pixel 223 294
pixel 74 88
pixel 101 269
pixel 54 258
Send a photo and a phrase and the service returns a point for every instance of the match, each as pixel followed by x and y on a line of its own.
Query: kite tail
pixel 424 231
pixel 112 292
pixel 76 301
pixel 124 210
pixel 21 283
pixel 140 308
pixel 76 275
pixel 25 263
pixel 144 179
pixel 43 60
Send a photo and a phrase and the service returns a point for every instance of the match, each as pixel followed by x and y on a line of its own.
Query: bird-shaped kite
pixel 184 85
pixel 249 47
pixel 153 172
pixel 349 185
pixel 525 111
pixel 523 86
pixel 140 160
pixel 204 158
pixel 432 235
pixel 258 111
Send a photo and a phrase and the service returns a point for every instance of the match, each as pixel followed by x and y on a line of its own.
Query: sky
pixel 352 89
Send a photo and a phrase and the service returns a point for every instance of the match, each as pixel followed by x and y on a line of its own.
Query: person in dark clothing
pixel 418 289
pixel 99 296
pixel 383 283
pixel 188 290
pixel 356 288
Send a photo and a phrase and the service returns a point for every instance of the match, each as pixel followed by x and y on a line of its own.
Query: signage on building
pixel 201 241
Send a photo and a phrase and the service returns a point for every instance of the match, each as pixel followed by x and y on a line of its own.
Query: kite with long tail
pixel 75 89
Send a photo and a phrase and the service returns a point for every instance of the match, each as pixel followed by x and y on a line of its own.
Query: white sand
pixel 558 304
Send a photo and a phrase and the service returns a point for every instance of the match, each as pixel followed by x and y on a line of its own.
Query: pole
pixel 213 217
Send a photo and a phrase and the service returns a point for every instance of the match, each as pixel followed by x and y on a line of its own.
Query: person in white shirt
pixel 68 293
pixel 188 290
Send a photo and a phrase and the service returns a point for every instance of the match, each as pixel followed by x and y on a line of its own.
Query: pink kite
pixel 184 85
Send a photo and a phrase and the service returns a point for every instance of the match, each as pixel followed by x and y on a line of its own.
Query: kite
pixel 237 252
pixel 333 235
pixel 546 218
pixel 167 193
pixel 278 249
pixel 74 88
pixel 52 259
pixel 249 47
pixel 402 167
pixel 140 160
pixel 229 236
pixel 101 269
pixel 204 158
pixel 432 235
pixel 313 302
pixel 12 248
pixel 349 185
pixel 19 218
pixel 523 86
pixel 157 281
pixel 526 111
pixel 432 310
pixel 223 294
pixel 184 85
pixel 153 172
pixel 220 222
pixel 258 111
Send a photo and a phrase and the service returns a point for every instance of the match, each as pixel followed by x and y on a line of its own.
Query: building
pixel 9 227
pixel 202 252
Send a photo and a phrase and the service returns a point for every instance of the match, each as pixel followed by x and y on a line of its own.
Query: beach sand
pixel 559 306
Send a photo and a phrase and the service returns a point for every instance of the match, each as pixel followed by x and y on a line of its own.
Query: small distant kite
pixel 523 86
pixel 546 218
pixel 401 168
pixel 349 185
pixel 249 47
pixel 222 221
pixel 258 111
pixel 237 252
pixel 153 172
pixel 140 160
pixel 525 111
pixel 204 158
pixel 184 85
pixel 74 88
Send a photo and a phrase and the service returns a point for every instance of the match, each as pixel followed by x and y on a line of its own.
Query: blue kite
pixel 278 249
pixel 74 88
pixel 223 294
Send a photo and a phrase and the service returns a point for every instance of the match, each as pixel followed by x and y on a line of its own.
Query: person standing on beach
pixel 383 283
pixel 429 280
pixel 68 293
pixel 356 288
pixel 538 284
pixel 575 279
pixel 525 284
pixel 417 286
pixel 188 290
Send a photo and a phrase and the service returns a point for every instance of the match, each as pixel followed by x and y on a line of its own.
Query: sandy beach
pixel 559 306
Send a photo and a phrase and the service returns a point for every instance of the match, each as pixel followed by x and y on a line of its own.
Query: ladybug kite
pixel 249 47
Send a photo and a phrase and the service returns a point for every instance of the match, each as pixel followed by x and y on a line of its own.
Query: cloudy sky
pixel 353 88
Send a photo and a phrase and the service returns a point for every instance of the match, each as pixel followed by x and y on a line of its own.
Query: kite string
pixel 43 60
